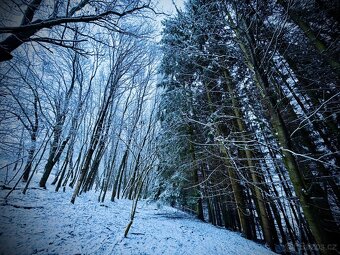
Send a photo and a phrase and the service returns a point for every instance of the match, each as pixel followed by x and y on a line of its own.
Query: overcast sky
pixel 168 7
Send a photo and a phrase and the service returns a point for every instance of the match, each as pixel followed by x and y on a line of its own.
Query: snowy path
pixel 52 225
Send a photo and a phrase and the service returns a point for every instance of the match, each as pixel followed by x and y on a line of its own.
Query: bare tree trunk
pixel 29 162
pixel 260 199
pixel 199 206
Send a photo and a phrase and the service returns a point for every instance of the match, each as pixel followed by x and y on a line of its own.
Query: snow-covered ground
pixel 45 222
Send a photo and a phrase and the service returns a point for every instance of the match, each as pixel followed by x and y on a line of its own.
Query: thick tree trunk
pixel 118 181
pixel 83 172
pixel 29 162
pixel 13 41
pixel 52 160
pixel 199 206
pixel 242 210
pixel 260 200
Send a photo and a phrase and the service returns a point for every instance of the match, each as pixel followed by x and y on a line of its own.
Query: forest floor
pixel 45 222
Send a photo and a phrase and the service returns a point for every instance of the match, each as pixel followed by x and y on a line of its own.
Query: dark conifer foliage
pixel 249 115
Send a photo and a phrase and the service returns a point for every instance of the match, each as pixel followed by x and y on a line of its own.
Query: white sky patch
pixel 168 6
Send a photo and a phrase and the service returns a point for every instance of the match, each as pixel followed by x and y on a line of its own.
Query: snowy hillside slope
pixel 45 222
